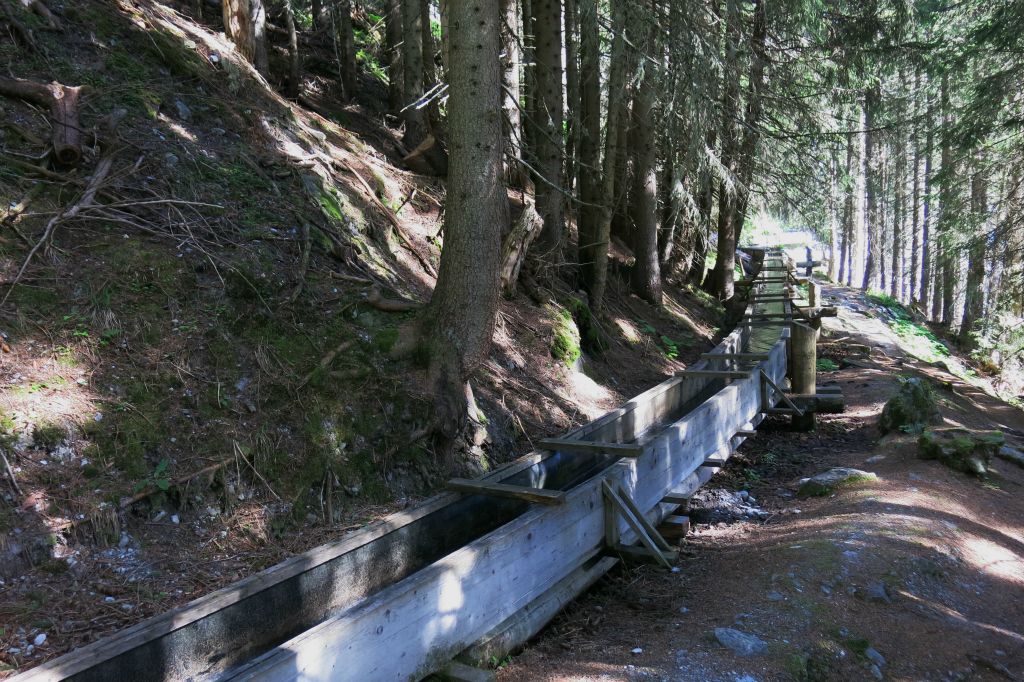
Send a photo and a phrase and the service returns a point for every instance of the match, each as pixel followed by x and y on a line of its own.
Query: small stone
pixel 872 655
pixel 219 132
pixel 775 595
pixel 1011 455
pixel 873 459
pixel 14 651
pixel 683 609
pixel 877 672
pixel 214 58
pixel 637 650
pixel 40 639
pixel 746 678
pixel 740 643
pixel 184 113
pixel 174 519
pixel 170 160
pixel 109 600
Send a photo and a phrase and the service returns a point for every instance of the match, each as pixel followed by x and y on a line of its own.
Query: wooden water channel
pixel 479 569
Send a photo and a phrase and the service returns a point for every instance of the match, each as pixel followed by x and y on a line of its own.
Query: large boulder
pixel 912 409
pixel 824 483
pixel 961 449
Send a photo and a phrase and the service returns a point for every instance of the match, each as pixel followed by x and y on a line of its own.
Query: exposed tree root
pixel 327 359
pixel 392 305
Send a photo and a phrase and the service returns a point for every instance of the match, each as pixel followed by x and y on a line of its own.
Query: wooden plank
pixel 518 492
pixel 677 497
pixel 734 356
pixel 717 462
pixel 528 621
pixel 637 523
pixel 746 433
pixel 713 374
pixel 567 445
pixel 675 527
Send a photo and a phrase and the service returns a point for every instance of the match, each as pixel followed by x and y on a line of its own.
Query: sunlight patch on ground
pixel 629 330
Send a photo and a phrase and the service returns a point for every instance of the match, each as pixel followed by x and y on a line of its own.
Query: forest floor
pixel 916 576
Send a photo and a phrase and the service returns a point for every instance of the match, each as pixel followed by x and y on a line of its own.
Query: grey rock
pixel 741 643
pixel 170 160
pixel 877 672
pixel 775 595
pixel 914 406
pixel 184 113
pixel 827 481
pixel 877 592
pixel 872 655
pixel 1011 455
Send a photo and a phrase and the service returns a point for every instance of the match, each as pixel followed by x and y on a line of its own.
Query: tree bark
pixel 926 206
pixel 462 311
pixel 415 117
pixel 948 201
pixel 645 277
pixel 723 275
pixel 348 49
pixel 245 24
pixel 596 278
pixel 515 175
pixel 590 145
pixel 547 22
pixel 393 53
pixel 974 299
pixel 871 218
pixel 294 60
pixel 915 195
pixel 62 101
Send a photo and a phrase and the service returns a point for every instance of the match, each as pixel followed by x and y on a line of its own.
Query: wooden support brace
pixel 649 536
pixel 718 462
pixel 518 492
pixel 569 445
pixel 782 394
pixel 676 498
pixel 746 433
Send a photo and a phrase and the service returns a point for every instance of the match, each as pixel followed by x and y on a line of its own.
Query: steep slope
pixel 195 369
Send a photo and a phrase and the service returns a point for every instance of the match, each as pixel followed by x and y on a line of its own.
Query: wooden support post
pixel 803 341
pixel 812 294
pixel 809 261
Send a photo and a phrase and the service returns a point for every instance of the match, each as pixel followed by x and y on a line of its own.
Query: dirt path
pixel 916 576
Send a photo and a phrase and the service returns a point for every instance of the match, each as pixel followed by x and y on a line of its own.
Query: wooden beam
pixel 746 433
pixel 676 497
pixel 713 374
pixel 649 537
pixel 675 527
pixel 516 492
pixel 782 394
pixel 734 356
pixel 570 445
pixel 717 462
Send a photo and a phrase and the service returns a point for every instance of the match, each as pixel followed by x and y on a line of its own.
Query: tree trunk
pixel 294 60
pixel 723 276
pixel 926 206
pixel 871 219
pixel 245 24
pixel 645 278
pixel 515 174
pixel 596 279
pixel 915 194
pixel 347 48
pixel 590 146
pixel 461 316
pixel 430 77
pixel 948 201
pixel 572 94
pixel 752 118
pixel 899 191
pixel 416 125
pixel 974 299
pixel 547 22
pixel 393 53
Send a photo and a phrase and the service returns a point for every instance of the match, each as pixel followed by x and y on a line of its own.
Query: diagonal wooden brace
pixel 618 502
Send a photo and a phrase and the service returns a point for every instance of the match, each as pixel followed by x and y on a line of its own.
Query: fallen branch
pixel 86 199
pixel 10 474
pixel 177 483
pixel 62 100
pixel 327 359
pixel 392 305
pixel 517 245
pixel 241 453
